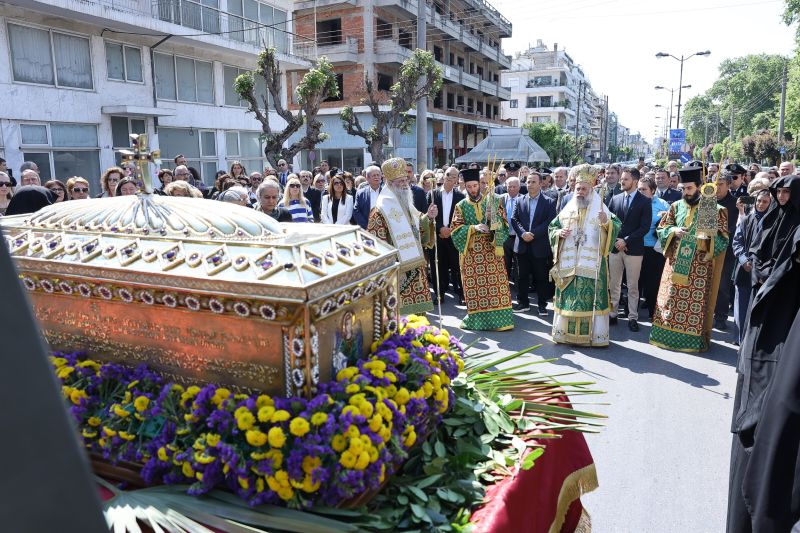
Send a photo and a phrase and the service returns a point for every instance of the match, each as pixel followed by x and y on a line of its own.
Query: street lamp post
pixel 680 82
pixel 671 97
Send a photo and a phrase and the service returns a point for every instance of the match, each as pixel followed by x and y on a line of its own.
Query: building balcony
pixel 471 117
pixel 342 53
pixel 216 29
pixel 389 52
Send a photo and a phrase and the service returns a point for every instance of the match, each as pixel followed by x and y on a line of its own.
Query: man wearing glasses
pixel 182 173
pixel 283 172
pixel 255 180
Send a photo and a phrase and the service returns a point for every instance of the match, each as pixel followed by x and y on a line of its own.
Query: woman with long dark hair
pixel 337 205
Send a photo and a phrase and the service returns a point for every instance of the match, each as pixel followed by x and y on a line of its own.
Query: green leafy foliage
pixel 559 144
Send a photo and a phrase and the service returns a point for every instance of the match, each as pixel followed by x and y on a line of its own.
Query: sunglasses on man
pixel 80 189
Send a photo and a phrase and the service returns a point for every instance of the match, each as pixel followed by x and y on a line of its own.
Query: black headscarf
pixel 29 199
pixel 777 227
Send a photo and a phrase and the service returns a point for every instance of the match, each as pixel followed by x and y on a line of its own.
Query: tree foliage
pixel 559 145
pixel 750 86
pixel 762 146
pixel 317 84
pixel 419 77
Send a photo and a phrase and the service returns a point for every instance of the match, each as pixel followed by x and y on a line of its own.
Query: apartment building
pixel 79 76
pixel 373 38
pixel 548 86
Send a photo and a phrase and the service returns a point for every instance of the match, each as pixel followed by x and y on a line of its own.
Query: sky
pixel 615 42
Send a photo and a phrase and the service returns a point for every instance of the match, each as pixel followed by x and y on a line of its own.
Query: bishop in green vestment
pixel 582 236
pixel 479 236
pixel 694 237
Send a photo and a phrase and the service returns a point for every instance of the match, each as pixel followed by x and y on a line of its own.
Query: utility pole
pixel 577 120
pixel 705 135
pixel 422 103
pixel 783 104
pixel 731 122
pixel 604 144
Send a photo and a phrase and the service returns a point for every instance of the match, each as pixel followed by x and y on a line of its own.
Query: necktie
pixel 511 209
pixel 627 204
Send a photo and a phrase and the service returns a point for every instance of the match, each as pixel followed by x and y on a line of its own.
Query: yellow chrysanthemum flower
pixel 119 411
pixel 310 463
pixel 58 362
pixel 402 396
pixel 94 421
pixel 141 403
pixel 375 423
pixel 348 459
pixel 356 446
pixel 410 439
pixel 276 437
pixel 212 439
pixel 245 420
pixel 187 470
pixel 317 419
pixel 338 443
pixel 280 416
pixel 255 437
pixel 244 482
pixel 76 395
pixel 299 426
pixel 162 454
pixel 276 456
pixel 352 409
pixel 263 400
pixel 366 409
pixel 390 376
pixel 108 432
pixel 353 432
pixel 89 434
pixel 310 487
pixel 363 461
pixel 352 388
pixel 64 372
pixel 124 435
pixel 286 494
pixel 265 413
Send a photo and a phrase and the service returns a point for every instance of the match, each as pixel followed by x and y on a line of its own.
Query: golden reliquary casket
pixel 205 291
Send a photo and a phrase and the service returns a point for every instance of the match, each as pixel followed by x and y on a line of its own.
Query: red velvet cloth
pixel 528 502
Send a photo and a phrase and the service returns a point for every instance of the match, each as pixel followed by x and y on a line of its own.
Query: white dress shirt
pixel 447 206
pixel 373 197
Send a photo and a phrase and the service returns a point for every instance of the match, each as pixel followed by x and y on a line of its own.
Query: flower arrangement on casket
pixel 417 418
pixel 324 451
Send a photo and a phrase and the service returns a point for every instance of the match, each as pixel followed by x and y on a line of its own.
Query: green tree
pixel 698 112
pixel 559 145
pixel 402 98
pixel 727 149
pixel 762 146
pixel 317 84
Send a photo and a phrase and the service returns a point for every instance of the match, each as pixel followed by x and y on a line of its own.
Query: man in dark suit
pixel 445 200
pixel 726 199
pixel 636 213
pixel 509 201
pixel 420 199
pixel 367 196
pixel 532 215
pixel 313 195
pixel 613 186
pixel 663 190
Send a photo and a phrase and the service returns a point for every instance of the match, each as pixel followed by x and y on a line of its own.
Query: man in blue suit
pixel 663 190
pixel 636 213
pixel 367 196
pixel 532 216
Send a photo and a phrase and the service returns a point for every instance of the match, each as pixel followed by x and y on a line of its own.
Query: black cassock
pixel 764 492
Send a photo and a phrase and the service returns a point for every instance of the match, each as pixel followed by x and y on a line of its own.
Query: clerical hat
pixel 691 175
pixel 512 166
pixel 471 174
pixel 545 170
pixel 735 168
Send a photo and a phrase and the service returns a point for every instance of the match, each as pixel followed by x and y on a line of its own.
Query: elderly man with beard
pixel 395 220
pixel 582 236
pixel 695 255
pixel 479 230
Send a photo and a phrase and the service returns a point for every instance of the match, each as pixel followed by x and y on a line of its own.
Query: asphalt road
pixel 662 459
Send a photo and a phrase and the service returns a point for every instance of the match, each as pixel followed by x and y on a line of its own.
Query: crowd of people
pixel 531 199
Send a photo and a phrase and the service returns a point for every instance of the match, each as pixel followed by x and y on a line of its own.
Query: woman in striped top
pixel 295 202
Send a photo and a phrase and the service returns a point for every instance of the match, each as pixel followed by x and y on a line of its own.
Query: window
pixel 514 122
pixel 383 29
pixel 437 100
pixel 340 84
pixel 50 58
pixel 404 39
pixel 470 103
pixel 329 32
pixel 460 62
pixel 437 53
pixel 247 148
pixel 531 102
pixel 479 108
pixel 451 101
pixel 514 104
pixel 385 82
pixel 63 150
pixel 545 101
pixel 199 147
pixel 460 103
pixel 232 99
pixel 121 129
pixel 198 14
pixel 540 81
pixel 350 160
pixel 258 24
pixel 183 79
pixel 452 59
pixel 123 63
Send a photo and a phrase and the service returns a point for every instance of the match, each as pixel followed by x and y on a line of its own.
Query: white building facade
pixel 79 76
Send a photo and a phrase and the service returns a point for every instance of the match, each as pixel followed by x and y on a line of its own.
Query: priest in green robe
pixel 582 236
pixel 694 237
pixel 479 229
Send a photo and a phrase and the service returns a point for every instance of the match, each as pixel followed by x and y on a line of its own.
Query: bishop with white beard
pixel 395 220
pixel 582 236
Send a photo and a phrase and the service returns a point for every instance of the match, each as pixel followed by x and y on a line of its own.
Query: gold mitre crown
pixel 394 168
pixel 584 173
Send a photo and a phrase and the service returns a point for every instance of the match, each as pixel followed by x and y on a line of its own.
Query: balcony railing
pixel 192 14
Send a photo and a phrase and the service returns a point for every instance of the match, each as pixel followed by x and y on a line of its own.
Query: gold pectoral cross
pixel 140 155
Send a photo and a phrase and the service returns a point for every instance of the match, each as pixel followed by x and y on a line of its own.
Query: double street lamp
pixel 680 82
pixel 671 97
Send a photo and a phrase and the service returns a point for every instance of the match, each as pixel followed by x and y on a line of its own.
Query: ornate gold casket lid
pixel 188 243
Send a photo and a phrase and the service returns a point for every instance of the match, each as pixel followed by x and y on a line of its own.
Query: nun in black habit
pixel 776 288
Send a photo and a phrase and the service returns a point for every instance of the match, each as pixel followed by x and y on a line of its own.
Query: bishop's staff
pixel 432 180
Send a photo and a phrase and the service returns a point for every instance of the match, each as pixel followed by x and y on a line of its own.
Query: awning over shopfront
pixel 506 144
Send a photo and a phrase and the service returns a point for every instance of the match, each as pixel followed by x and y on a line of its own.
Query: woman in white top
pixel 337 205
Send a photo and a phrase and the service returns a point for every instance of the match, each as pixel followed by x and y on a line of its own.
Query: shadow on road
pixel 628 349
